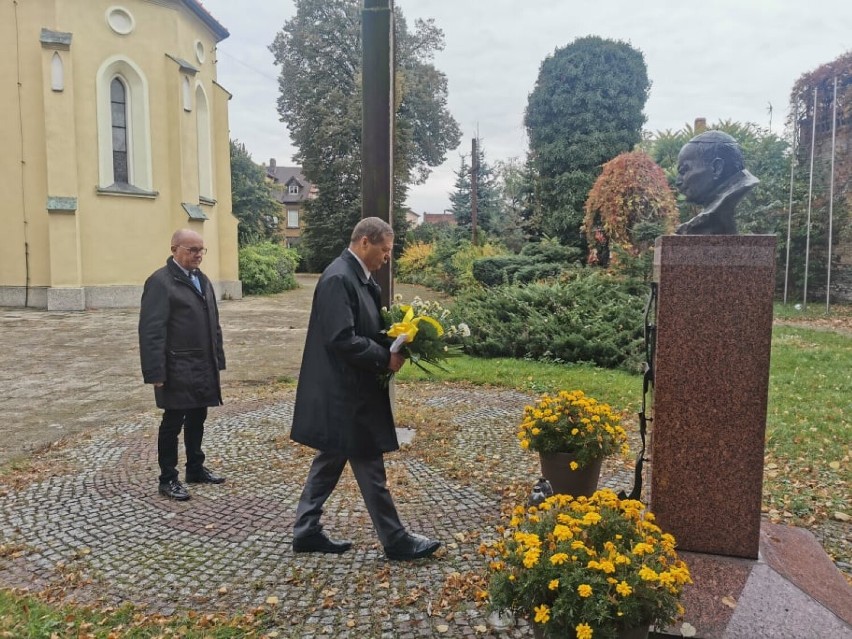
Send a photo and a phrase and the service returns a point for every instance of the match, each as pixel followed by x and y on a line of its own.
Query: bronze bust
pixel 711 172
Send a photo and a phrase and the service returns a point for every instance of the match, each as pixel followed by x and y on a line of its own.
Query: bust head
pixel 705 163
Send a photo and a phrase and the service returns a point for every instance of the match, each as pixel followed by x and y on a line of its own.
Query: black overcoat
pixel 341 405
pixel 180 340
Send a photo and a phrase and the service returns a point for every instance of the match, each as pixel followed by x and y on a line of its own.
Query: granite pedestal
pixel 751 580
pixel 714 329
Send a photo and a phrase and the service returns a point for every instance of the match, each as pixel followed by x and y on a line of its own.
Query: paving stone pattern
pixel 96 514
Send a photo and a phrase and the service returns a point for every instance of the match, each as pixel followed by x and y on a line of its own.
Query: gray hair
pixel 375 229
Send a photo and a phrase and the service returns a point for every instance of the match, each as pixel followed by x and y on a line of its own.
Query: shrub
pixel 536 261
pixel 589 317
pixel 444 265
pixel 267 268
pixel 412 264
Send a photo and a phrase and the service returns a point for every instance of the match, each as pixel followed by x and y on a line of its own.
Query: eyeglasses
pixel 194 250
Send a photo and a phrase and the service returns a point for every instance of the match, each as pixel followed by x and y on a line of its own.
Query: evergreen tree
pixel 319 52
pixel 251 197
pixel 585 109
pixel 489 218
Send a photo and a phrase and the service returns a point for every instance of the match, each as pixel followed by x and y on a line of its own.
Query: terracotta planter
pixel 627 633
pixel 556 468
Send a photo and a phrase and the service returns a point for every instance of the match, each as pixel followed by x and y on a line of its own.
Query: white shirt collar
pixel 361 262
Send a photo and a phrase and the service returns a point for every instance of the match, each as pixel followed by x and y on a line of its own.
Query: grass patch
pixel 620 389
pixel 808 424
pixel 24 616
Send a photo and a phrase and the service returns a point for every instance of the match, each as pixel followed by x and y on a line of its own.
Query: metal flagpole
pixel 831 196
pixel 810 201
pixel 790 206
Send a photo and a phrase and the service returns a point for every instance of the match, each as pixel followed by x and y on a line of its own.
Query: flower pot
pixel 640 632
pixel 556 468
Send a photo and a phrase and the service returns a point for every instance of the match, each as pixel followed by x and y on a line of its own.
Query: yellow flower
pixel 408 329
pixel 584 590
pixel 525 444
pixel 559 558
pixel 574 431
pixel 531 557
pixel 562 533
pixel 584 631
pixel 647 574
pixel 553 585
pixel 542 614
pixel 623 589
pixel 536 431
pixel 574 465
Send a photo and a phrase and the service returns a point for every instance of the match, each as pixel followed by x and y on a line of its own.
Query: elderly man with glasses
pixel 180 344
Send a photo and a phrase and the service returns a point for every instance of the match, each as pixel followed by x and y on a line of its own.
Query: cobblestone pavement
pixel 89 520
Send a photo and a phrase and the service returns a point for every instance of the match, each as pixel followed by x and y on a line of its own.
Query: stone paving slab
pixel 95 516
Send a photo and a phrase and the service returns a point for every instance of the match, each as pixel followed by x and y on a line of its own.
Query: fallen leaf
pixel 223 590
pixel 442 627
pixel 730 602
pixel 687 630
pixel 351 623
pixel 839 516
pixel 272 600
pixel 835 465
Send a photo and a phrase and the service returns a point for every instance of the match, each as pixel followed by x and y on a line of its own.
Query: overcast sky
pixel 718 59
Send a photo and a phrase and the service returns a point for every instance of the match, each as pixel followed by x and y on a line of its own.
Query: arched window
pixel 205 154
pixel 118 111
pixel 124 138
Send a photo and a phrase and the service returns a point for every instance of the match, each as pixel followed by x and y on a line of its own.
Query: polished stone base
pixel 714 330
pixel 792 591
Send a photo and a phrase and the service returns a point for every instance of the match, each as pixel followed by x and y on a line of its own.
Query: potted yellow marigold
pixel 587 568
pixel 572 433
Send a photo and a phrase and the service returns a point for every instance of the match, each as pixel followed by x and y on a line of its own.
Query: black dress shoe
pixel 206 476
pixel 411 546
pixel 174 490
pixel 318 542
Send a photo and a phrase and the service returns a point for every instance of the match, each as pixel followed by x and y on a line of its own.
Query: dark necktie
pixel 375 290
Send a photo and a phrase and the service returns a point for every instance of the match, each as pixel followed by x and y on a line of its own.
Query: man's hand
pixel 159 384
pixel 396 362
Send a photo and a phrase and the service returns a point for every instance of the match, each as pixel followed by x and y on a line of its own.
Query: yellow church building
pixel 114 133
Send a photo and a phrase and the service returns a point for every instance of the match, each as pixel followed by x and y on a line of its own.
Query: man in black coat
pixel 342 407
pixel 180 344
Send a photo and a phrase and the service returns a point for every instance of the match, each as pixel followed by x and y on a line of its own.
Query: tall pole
pixel 474 181
pixel 377 65
pixel 790 205
pixel 810 200
pixel 831 196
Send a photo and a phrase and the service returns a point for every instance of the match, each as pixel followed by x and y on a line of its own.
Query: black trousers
pixel 372 481
pixel 192 422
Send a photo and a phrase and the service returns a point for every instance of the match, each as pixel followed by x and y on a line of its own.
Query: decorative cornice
pixel 185 66
pixel 60 204
pixel 194 211
pixel 55 39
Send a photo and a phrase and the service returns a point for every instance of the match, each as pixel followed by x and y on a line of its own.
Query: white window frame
pixel 204 143
pixel 139 169
pixel 291 213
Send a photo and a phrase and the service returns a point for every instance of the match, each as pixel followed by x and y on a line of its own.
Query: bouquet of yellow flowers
pixel 572 422
pixel 423 331
pixel 587 567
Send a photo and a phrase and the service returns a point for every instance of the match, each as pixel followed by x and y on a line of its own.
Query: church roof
pixel 215 26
